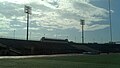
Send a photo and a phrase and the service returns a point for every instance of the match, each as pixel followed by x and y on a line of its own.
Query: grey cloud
pixel 16 22
pixel 91 9
pixel 40 7
pixel 69 15
pixel 9 9
pixel 45 18
pixel 54 3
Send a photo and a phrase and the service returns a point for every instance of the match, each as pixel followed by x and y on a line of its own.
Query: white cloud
pixel 32 28
pixel 69 12
pixel 3 34
pixel 4 22
pixel 95 27
pixel 16 1
pixel 66 15
pixel 50 29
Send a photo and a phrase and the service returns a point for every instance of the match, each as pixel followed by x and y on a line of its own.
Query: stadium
pixel 59 34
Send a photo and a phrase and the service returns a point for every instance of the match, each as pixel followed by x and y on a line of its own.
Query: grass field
pixel 83 61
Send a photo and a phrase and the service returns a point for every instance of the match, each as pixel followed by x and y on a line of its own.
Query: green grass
pixel 84 61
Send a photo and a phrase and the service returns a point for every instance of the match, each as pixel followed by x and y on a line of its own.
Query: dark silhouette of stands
pixel 86 48
pixel 45 46
pixel 4 50
pixel 52 46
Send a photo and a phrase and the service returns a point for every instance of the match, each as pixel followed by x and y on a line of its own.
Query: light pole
pixel 14 34
pixel 110 17
pixel 75 38
pixel 67 37
pixel 82 23
pixel 27 10
pixel 44 35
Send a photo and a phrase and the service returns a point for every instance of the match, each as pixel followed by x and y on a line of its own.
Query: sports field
pixel 82 61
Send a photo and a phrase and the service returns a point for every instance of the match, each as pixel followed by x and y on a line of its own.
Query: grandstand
pixel 48 46
pixel 45 46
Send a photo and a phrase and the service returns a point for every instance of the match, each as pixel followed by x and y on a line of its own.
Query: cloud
pixel 4 22
pixel 31 28
pixel 59 14
pixel 16 1
pixel 50 29
pixel 3 34
pixel 95 27
pixel 68 14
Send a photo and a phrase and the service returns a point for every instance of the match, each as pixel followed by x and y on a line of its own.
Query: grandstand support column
pixel 82 23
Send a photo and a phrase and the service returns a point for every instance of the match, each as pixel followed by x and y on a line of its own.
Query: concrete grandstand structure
pixel 48 46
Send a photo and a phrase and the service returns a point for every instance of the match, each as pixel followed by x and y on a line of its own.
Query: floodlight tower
pixel 82 23
pixel 27 10
pixel 110 17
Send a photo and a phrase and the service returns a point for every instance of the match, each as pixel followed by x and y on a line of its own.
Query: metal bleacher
pixel 7 50
pixel 85 48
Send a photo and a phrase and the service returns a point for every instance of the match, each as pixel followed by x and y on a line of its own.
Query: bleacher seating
pixel 52 46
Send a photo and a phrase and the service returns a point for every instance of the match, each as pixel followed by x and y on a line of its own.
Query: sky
pixel 60 19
